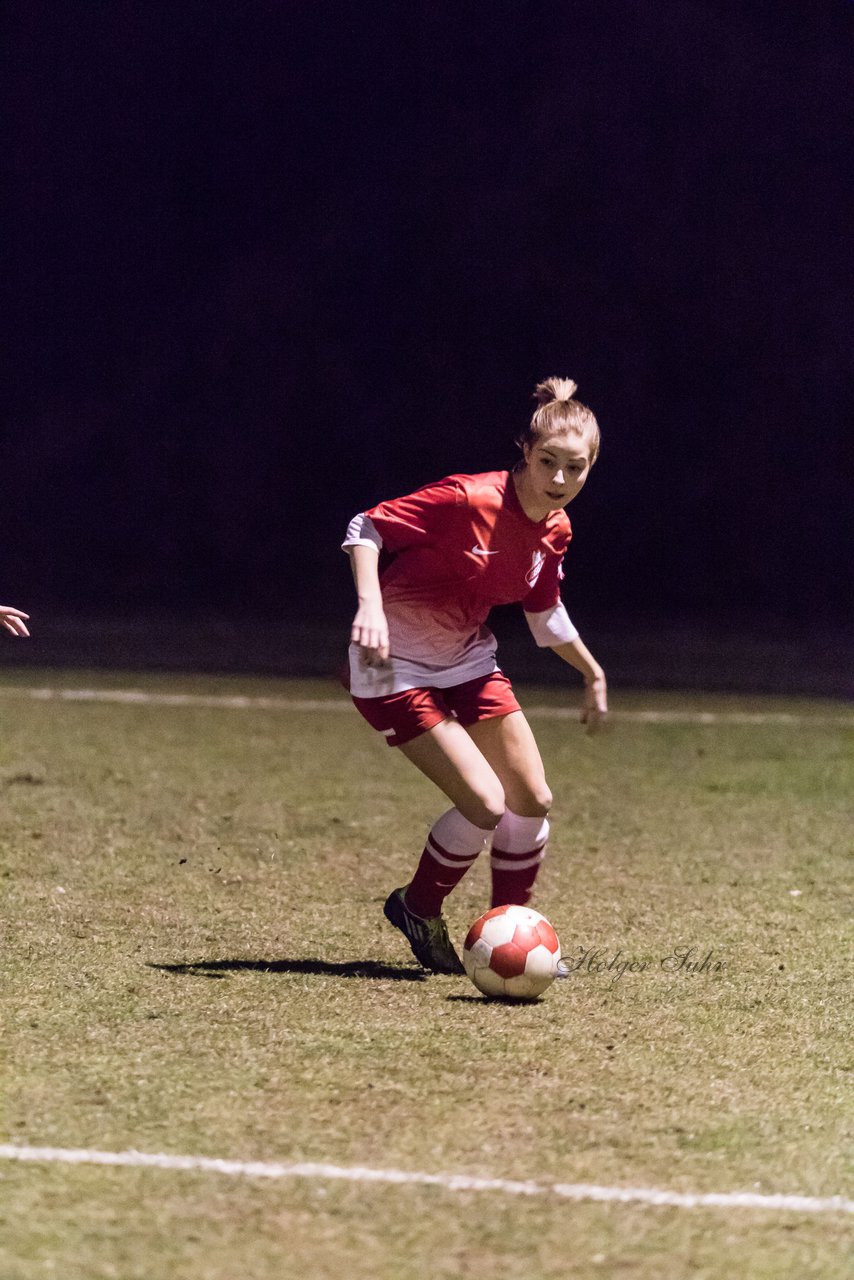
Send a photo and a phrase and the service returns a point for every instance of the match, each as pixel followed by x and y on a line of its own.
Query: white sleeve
pixel 362 532
pixel 551 627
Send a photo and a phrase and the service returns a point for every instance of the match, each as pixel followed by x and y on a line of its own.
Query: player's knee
pixel 535 802
pixel 486 808
pixel 543 799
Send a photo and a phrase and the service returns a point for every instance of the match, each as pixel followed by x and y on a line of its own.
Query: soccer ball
pixel 512 952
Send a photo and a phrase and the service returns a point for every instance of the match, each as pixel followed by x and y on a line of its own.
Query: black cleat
pixel 428 939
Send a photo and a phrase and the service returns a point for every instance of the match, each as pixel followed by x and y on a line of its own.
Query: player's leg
pixel 508 744
pixel 448 757
pixel 418 721
pixel 519 840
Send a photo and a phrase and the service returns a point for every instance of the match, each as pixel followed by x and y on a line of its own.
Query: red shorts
pixel 403 716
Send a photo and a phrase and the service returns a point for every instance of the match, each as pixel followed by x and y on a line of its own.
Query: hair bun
pixel 561 389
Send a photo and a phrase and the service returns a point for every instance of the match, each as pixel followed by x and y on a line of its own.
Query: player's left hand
pixel 594 707
pixel 13 620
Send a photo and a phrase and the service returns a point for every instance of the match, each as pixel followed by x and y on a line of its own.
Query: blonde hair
pixel 559 412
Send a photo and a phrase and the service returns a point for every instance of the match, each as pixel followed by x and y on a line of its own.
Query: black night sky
pixel 268 263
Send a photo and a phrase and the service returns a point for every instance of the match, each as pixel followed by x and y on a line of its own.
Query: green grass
pixel 195 962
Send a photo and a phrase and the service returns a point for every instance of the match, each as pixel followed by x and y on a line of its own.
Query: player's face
pixel 557 469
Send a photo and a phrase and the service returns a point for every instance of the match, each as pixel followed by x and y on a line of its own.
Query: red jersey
pixel 451 551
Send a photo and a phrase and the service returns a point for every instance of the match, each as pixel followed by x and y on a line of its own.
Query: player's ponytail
pixel 559 413
pixel 560 389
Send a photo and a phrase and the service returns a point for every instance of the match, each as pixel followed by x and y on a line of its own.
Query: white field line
pixel 242 702
pixel 448 1181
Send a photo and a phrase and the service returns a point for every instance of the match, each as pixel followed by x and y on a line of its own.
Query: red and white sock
pixel 453 844
pixel 518 848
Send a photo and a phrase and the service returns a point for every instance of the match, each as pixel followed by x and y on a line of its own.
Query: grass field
pixel 195 963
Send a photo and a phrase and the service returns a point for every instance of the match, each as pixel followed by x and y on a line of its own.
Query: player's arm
pixel 370 629
pixel 595 705
pixel 417 519
pixel 14 620
pixel 552 628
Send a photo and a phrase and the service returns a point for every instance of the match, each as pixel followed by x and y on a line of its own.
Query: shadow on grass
pixel 370 969
pixel 517 1001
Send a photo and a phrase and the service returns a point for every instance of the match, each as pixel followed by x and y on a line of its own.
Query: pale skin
pixel 14 620
pixel 494 763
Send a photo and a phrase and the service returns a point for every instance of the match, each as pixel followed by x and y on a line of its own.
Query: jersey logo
pixel 482 551
pixel 538 559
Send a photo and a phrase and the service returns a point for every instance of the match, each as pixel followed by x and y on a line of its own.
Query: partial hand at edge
pixel 594 707
pixel 14 620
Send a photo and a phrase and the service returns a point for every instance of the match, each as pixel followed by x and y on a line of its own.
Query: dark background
pixel 269 263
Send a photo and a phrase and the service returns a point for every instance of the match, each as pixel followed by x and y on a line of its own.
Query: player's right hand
pixel 370 633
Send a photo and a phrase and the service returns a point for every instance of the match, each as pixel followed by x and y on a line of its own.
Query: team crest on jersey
pixel 538 559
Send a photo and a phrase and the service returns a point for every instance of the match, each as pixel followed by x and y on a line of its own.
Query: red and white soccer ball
pixel 512 952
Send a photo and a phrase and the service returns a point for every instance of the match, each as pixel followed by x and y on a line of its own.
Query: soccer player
pixel 13 620
pixel 428 568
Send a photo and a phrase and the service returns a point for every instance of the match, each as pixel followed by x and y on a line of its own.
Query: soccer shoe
pixel 428 939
